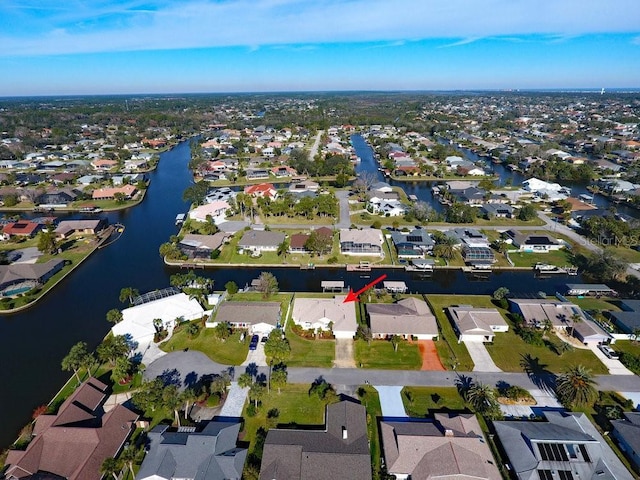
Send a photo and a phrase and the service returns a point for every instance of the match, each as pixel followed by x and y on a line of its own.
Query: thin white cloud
pixel 464 41
pixel 161 24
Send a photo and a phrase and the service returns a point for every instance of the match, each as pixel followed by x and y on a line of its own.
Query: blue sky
pixel 163 46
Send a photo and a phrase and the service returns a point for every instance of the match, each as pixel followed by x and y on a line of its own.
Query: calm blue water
pixel 34 342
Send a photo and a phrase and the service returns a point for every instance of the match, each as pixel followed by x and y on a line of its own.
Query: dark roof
pixel 340 451
pixel 249 312
pixel 629 429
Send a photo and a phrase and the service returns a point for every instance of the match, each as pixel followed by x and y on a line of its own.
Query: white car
pixel 608 351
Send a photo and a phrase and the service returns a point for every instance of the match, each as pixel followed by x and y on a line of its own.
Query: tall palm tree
pixel 576 387
pixel 110 466
pixel 129 456
pixel 482 399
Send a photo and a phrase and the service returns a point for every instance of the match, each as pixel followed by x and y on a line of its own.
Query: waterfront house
pixel 468 236
pixel 202 246
pixel 532 242
pixel 138 322
pixel 627 433
pixel 224 194
pixel 297 243
pixel 22 277
pixel 258 318
pixel 497 210
pixel 304 186
pixel 258 241
pixel 361 242
pixel 110 193
pixel 474 324
pixel 21 228
pixel 566 446
pixel 413 244
pixel 257 173
pixel 216 210
pixel 410 317
pixel 283 171
pixel 328 314
pixel 67 228
pixel 103 164
pixel 340 450
pixel 74 443
pixel 451 446
pixel 628 320
pixel 470 196
pixel 210 452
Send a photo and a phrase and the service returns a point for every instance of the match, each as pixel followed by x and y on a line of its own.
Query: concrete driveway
pixel 544 399
pixel 344 353
pixel 391 401
pixel 256 357
pixel 482 361
pixel 615 366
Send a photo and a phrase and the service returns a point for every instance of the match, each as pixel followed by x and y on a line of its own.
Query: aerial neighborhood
pixel 451 293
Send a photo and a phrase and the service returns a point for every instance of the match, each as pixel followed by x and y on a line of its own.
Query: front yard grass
pixel 508 351
pixel 419 401
pixel 229 352
pixel 309 353
pixel 380 355
pixel 371 401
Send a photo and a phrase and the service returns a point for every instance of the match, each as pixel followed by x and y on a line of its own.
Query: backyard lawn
pixel 418 401
pixel 559 258
pixel 380 355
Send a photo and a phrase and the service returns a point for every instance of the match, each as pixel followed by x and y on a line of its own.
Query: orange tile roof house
pixel 22 228
pixel 261 190
pixel 74 443
pixel 103 164
pixel 109 193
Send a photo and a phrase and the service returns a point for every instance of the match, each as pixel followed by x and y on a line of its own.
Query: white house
pixel 326 314
pixel 216 209
pixel 476 324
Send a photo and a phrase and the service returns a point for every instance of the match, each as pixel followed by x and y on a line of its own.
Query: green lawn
pixel 418 401
pixel 449 350
pixel 380 355
pixel 508 351
pixel 294 406
pixel 559 258
pixel 309 353
pixel 627 346
pixel 593 303
pixel 230 352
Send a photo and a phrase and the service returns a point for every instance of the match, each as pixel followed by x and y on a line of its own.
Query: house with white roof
pixel 216 209
pixel 474 324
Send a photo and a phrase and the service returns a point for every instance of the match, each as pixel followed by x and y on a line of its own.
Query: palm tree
pixel 128 293
pixel 575 318
pixel 110 466
pixel 129 456
pixel 576 387
pixel 482 399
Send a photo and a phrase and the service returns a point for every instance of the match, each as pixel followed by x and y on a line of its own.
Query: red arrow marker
pixel 353 296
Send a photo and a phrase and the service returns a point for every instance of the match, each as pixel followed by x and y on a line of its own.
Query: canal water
pixel 34 342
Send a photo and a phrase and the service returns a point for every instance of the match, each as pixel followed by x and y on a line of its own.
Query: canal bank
pixel 35 341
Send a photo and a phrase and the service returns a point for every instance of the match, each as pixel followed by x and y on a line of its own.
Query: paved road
pixel 345 218
pixel 316 145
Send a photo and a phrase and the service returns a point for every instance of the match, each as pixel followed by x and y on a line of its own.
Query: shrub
pixel 332 260
pixel 377 224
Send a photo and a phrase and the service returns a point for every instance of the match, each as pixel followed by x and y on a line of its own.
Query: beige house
pixel 258 317
pixel 452 446
pixel 408 318
pixel 326 314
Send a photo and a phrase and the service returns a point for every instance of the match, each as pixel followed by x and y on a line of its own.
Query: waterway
pixel 34 341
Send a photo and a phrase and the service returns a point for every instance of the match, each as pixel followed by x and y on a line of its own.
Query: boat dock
pixel 363 266
pixel 332 285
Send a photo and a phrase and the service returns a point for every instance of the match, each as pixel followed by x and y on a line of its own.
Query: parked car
pixel 254 342
pixel 608 351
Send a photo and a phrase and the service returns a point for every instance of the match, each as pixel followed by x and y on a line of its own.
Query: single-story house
pixel 109 193
pixel 66 228
pixel 339 450
pixel 478 255
pixel 217 210
pixel 104 164
pixel 476 324
pixel 209 453
pixel 414 244
pixel 497 210
pixel 138 321
pixel 627 433
pixel 628 320
pixel 468 236
pixel 266 190
pixel 297 243
pixel 533 242
pixel 201 246
pixel 304 186
pixel 538 311
pixel 410 317
pixel 258 241
pixel 73 443
pixel 567 446
pixel 56 197
pixel 326 314
pixel 21 228
pixel 22 277
pixel 256 173
pixel 258 317
pixel 450 446
pixel 361 242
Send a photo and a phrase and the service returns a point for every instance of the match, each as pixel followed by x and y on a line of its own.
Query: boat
pixel 90 209
pixel 180 219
